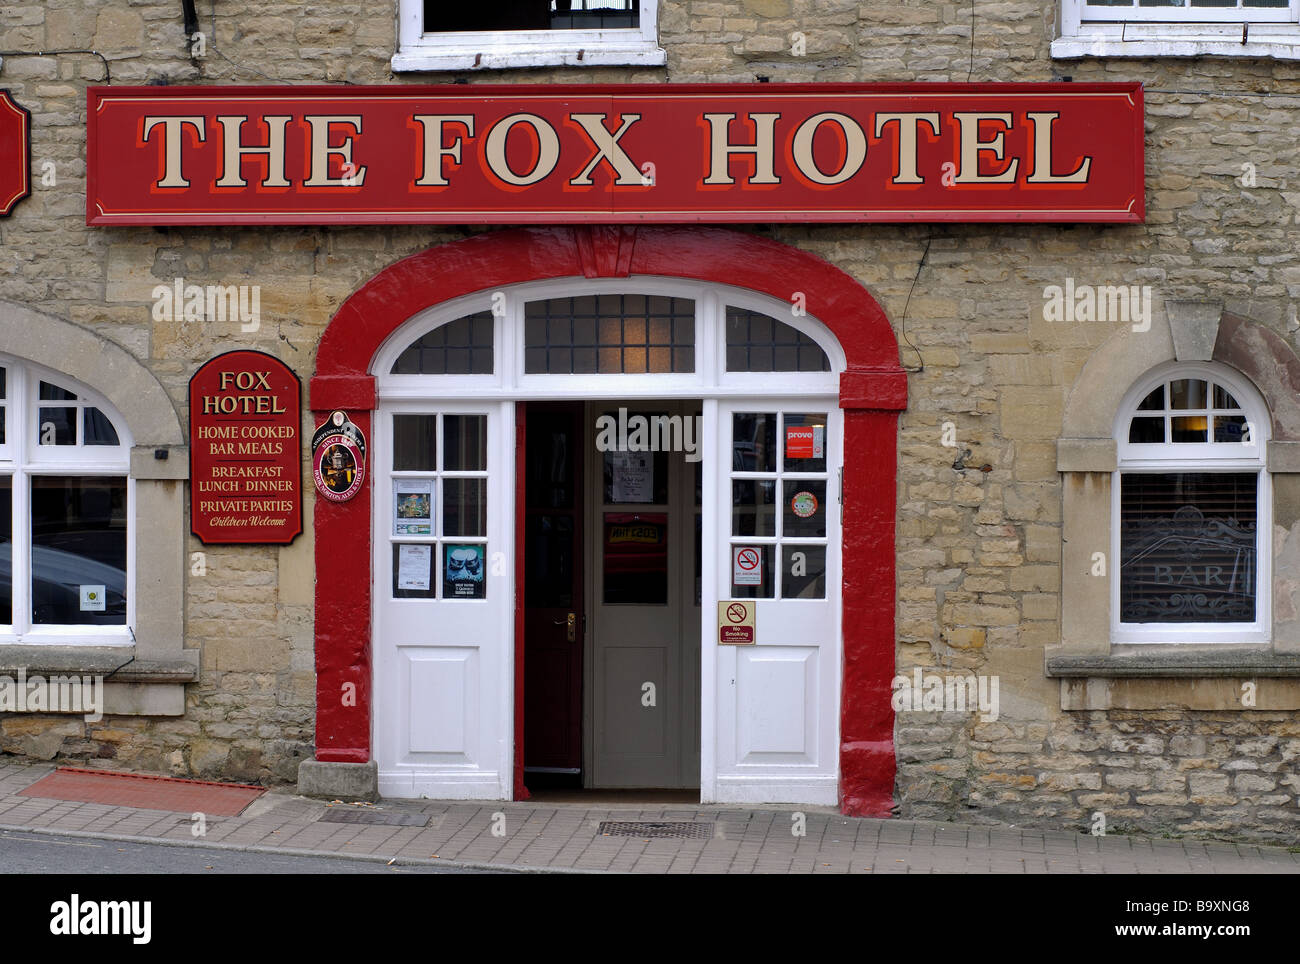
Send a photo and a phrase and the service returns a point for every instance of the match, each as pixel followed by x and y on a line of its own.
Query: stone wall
pixel 979 547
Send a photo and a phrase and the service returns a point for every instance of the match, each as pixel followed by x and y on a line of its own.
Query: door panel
pixel 443 599
pixel 778 700
pixel 644 675
pixel 553 589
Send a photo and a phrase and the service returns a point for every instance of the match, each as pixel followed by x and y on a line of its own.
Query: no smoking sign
pixel 735 622
pixel 746 566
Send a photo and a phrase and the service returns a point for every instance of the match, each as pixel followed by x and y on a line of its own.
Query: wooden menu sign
pixel 245 450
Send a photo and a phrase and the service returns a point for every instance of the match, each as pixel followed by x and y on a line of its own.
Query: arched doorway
pixel 858 759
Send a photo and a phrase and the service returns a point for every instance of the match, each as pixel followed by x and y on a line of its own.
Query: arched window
pixel 65 506
pixel 600 335
pixel 1191 499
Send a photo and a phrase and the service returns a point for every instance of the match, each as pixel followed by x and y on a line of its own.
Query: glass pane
pixel 803 574
pixel 460 347
pixel 414 438
pixel 464 443
pixel 753 442
pixel 803 508
pixel 4 413
pixel 3 389
pixel 464 571
pixel 759 343
pixel 53 393
pixel 805 442
pixel 634 553
pixel 548 542
pixel 1154 402
pixel 464 507
pixel 57 426
pixel 1146 430
pixel 1187 393
pixel 1187 547
pixel 753 507
pixel 1229 428
pixel 97 429
pixel 1188 428
pixel 6 550
pixel 413 571
pixel 79 550
pixel 1223 398
pixel 756 581
pixel 609 334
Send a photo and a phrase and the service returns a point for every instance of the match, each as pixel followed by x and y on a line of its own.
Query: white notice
pixel 634 476
pixel 414 564
pixel 92 599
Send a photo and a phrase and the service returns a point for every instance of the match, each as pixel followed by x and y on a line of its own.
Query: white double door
pixel 443 645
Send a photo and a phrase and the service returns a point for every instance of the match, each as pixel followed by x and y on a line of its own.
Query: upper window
pixel 1192 502
pixel 434 35
pixel 64 510
pixel 1179 28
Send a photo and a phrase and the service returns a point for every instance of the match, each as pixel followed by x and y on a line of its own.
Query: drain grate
pixel 678 829
pixel 376 817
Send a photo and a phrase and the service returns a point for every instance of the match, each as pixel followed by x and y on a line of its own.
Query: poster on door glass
pixel 412 507
pixel 463 572
pixel 414 565
pixel 633 476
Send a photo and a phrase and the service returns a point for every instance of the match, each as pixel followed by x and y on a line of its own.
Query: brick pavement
pixel 565 837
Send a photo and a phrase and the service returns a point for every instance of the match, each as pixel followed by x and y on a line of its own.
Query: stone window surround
pixel 1096 674
pixel 502 49
pixel 148 677
pixel 1078 38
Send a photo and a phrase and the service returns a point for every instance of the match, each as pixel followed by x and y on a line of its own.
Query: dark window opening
pixel 443 17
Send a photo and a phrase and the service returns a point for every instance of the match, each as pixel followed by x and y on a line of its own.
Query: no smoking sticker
pixel 746 566
pixel 735 622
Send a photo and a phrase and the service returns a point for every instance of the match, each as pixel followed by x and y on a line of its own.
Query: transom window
pixel 605 334
pixel 557 338
pixel 65 502
pixel 1191 494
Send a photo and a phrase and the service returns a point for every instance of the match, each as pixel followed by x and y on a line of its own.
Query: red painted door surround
pixel 873 390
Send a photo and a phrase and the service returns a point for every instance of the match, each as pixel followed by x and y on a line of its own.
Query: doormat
pixel 145 792
pixel 679 829
pixel 376 817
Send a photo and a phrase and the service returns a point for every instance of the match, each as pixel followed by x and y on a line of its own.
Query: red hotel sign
pixel 245 452
pixel 15 153
pixel 623 153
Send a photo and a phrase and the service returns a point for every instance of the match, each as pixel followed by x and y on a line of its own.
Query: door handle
pixel 570 621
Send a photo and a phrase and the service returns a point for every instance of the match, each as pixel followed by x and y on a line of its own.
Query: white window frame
pixel 23 457
pixel 1088 30
pixel 1197 457
pixel 502 49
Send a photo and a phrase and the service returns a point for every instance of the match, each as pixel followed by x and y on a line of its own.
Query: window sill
pixel 1275 41
pixel 1221 662
pixel 487 57
pixel 116 664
